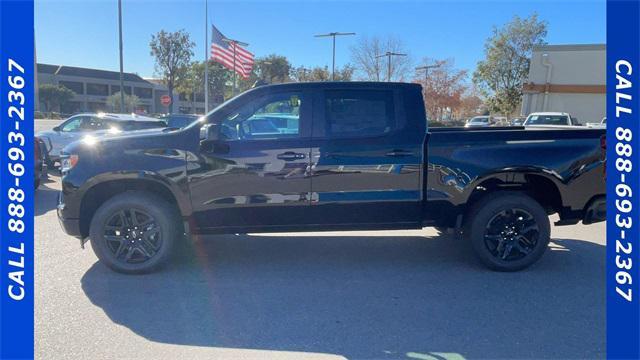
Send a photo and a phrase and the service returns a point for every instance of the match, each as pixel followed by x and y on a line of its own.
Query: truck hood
pixel 110 143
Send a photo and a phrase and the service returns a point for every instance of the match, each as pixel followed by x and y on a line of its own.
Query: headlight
pixel 67 162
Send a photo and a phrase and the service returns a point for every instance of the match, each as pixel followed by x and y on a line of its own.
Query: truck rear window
pixel 360 113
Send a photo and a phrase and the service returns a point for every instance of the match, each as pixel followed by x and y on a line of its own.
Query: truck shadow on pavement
pixel 373 297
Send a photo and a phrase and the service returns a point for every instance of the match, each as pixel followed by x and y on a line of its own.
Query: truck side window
pixel 270 117
pixel 360 113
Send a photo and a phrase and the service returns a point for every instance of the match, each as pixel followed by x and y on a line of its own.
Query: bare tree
pixel 368 66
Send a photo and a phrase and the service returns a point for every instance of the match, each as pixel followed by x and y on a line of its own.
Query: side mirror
pixel 56 129
pixel 210 139
pixel 210 133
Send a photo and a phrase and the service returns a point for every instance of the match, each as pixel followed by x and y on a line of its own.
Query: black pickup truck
pixel 329 156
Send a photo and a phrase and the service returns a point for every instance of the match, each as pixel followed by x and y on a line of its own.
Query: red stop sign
pixel 165 100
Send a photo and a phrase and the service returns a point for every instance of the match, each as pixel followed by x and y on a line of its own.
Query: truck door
pixel 366 159
pixel 256 176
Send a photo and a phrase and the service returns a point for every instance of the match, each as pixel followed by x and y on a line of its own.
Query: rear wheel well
pixel 538 187
pixel 97 195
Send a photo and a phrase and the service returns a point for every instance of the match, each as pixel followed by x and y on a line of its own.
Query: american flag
pixel 223 52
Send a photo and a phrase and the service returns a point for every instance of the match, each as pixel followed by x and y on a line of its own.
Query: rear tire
pixel 135 232
pixel 508 231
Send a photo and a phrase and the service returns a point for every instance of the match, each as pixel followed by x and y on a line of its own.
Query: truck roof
pixel 340 84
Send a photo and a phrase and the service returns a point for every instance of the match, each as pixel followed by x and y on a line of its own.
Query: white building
pixel 567 78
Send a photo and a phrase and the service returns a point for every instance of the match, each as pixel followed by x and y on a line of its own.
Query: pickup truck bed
pixel 338 156
pixel 561 169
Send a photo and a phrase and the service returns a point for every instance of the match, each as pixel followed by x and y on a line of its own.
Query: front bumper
pixel 69 226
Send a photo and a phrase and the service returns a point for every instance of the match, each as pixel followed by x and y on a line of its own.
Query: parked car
pixel 361 158
pixel 517 121
pixel 179 120
pixel 550 119
pixel 479 121
pixel 40 161
pixel 95 124
pixel 601 125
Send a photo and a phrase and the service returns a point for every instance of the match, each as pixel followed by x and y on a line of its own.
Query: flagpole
pixel 207 50
pixel 122 108
pixel 234 67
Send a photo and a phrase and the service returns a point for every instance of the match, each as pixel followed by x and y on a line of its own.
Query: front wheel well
pixel 98 194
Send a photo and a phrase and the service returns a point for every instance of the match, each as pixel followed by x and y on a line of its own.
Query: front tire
pixel 134 232
pixel 509 231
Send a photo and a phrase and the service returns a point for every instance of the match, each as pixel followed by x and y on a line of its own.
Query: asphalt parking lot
pixel 354 295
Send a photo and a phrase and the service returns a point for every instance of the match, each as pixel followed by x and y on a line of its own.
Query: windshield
pixel 547 120
pixel 479 120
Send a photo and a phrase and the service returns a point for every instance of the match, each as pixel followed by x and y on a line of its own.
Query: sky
pixel 85 32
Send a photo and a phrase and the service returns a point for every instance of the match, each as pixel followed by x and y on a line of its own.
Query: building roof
pixel 89 73
pixel 570 47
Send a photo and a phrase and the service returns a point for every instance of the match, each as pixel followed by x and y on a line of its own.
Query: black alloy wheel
pixel 511 234
pixel 135 232
pixel 132 235
pixel 508 230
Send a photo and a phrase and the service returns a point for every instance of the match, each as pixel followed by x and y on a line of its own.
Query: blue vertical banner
pixel 16 178
pixel 623 179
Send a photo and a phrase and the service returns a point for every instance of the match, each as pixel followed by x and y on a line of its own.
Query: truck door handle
pixel 399 153
pixel 290 156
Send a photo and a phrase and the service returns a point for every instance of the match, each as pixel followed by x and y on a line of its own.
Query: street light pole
pixel 207 53
pixel 333 63
pixel 121 65
pixel 389 54
pixel 426 68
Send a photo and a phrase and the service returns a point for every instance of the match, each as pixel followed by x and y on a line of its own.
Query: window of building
pixel 116 88
pixel 96 107
pixel 97 89
pixel 76 87
pixel 143 93
pixel 359 113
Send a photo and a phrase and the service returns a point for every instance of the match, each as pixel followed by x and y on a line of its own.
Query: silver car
pixel 95 124
pixel 479 121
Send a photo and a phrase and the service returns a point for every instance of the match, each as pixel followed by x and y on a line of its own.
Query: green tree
pixel 172 52
pixel 219 81
pixel 318 73
pixel 501 74
pixel 192 83
pixel 273 68
pixel 130 102
pixel 54 96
